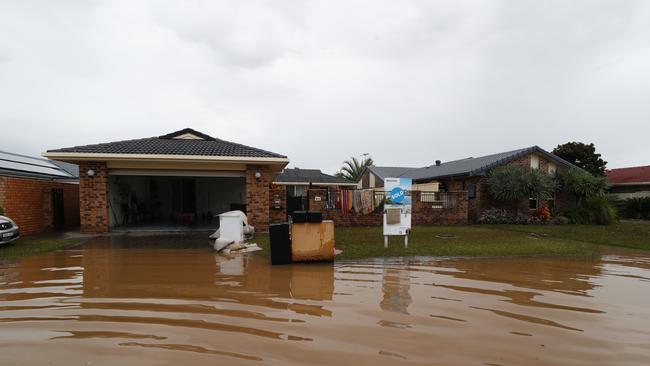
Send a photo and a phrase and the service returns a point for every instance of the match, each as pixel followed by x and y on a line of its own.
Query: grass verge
pixel 453 241
pixel 635 235
pixel 26 247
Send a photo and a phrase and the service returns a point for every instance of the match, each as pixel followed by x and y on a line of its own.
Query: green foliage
pixel 637 208
pixel 2 211
pixel 352 168
pixel 580 183
pixel 593 210
pixel 511 183
pixel 582 155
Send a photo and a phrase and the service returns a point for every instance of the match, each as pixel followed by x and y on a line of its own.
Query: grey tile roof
pixel 296 175
pixel 169 145
pixel 29 167
pixel 477 166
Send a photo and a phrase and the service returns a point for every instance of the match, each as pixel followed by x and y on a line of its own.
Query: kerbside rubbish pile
pixel 233 233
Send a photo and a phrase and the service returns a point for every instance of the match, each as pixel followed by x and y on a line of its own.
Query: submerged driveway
pixel 149 300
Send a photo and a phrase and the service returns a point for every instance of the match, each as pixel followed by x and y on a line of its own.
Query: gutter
pixel 75 156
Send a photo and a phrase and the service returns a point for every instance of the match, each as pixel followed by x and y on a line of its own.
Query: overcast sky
pixel 408 82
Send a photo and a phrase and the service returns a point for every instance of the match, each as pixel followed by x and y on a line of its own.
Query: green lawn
pixel 634 235
pixel 26 247
pixel 367 242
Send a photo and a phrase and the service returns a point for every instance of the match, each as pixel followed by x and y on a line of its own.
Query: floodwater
pixel 171 301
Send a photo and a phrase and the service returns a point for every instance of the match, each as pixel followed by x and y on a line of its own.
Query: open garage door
pixel 152 200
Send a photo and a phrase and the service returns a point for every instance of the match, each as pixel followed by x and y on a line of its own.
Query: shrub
pixel 511 183
pixel 580 183
pixel 2 211
pixel 560 220
pixel 593 210
pixel 543 213
pixel 495 216
pixel 501 216
pixel 637 208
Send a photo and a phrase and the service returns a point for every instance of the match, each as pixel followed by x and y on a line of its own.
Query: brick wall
pixel 423 212
pixel 29 203
pixel 257 197
pixel 93 197
pixel 277 193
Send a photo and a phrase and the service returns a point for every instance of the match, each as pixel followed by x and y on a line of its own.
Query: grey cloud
pixel 407 81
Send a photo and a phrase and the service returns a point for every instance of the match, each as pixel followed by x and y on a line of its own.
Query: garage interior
pixel 150 202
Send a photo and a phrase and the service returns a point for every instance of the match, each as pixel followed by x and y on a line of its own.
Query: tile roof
pixel 478 166
pixel 632 175
pixel 307 176
pixel 468 166
pixel 173 144
pixel 30 167
pixel 382 172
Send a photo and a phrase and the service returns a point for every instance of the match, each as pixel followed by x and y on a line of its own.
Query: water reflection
pixel 395 287
pixel 174 301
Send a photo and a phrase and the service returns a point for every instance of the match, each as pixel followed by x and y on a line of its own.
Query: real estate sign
pixel 398 190
pixel 397 207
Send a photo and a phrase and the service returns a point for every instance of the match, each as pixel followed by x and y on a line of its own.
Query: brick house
pixel 40 195
pixel 290 190
pixel 178 180
pixel 633 182
pixel 470 175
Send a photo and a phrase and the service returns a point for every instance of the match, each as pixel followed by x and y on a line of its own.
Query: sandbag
pixel 220 244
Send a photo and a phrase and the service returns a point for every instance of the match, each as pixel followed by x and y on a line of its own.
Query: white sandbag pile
pixel 233 231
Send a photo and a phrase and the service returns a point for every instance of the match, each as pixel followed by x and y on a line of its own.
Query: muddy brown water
pixel 171 301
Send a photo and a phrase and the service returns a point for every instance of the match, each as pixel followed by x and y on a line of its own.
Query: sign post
pixel 397 208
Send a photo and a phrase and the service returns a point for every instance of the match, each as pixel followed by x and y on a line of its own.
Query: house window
pixel 297 191
pixel 533 203
pixel 551 168
pixel 534 161
pixel 471 190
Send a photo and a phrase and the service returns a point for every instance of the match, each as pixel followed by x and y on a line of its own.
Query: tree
pixel 582 155
pixel 583 185
pixel 511 183
pixel 352 168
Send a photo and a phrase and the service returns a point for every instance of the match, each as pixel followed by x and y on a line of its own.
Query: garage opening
pixel 172 202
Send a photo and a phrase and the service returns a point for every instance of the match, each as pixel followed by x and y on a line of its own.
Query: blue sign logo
pixel 397 195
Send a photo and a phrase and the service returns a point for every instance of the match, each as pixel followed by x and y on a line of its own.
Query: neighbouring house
pixel 296 184
pixel 39 194
pixel 178 180
pixel 373 176
pixel 633 182
pixel 470 175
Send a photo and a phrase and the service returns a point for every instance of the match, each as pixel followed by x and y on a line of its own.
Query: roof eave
pixel 441 176
pixel 313 183
pixel 77 156
pixel 630 184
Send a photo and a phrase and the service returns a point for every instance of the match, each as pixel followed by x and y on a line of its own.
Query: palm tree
pixel 352 168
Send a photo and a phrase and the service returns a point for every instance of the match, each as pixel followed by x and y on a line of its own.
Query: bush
pixel 580 183
pixel 593 210
pixel 500 216
pixel 511 183
pixel 495 216
pixel 2 211
pixel 560 220
pixel 637 208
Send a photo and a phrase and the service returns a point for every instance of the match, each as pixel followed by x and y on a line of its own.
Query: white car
pixel 9 231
